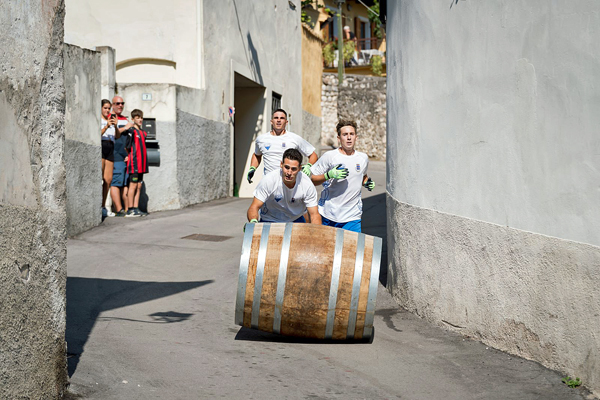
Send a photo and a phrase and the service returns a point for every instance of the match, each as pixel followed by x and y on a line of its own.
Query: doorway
pixel 249 122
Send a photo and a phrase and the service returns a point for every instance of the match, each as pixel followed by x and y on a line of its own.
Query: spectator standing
pixel 118 190
pixel 273 144
pixel 137 163
pixel 109 133
pixel 350 36
pixel 342 172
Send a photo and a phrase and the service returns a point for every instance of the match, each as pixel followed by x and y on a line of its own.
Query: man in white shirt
pixel 273 144
pixel 343 172
pixel 285 194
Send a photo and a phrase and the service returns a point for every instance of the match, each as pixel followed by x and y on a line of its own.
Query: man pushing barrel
pixel 284 195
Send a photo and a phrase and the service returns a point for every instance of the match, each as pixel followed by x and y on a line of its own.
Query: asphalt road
pixel 150 315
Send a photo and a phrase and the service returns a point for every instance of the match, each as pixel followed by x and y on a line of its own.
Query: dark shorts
pixel 119 174
pixel 136 178
pixel 108 150
pixel 299 220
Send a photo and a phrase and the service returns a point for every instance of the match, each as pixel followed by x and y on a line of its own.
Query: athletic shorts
pixel 299 220
pixel 120 174
pixel 108 150
pixel 353 226
pixel 136 178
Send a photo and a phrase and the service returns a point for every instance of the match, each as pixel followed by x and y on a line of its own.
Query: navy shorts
pixel 120 174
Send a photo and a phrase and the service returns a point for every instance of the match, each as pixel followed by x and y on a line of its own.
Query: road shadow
pixel 253 335
pixel 374 223
pixel 87 298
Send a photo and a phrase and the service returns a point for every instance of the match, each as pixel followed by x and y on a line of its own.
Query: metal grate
pixel 207 238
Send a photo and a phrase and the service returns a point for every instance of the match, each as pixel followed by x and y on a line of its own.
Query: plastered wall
pixel 82 139
pixel 32 201
pixel 493 171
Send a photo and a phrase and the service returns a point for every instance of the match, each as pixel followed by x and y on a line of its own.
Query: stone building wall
pixel 492 174
pixel 33 240
pixel 82 139
pixel 361 98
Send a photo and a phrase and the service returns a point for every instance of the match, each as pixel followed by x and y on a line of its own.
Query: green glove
pixel 252 221
pixel 306 169
pixel 250 174
pixel 339 172
pixel 369 184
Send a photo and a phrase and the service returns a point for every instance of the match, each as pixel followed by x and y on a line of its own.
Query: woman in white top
pixel 108 145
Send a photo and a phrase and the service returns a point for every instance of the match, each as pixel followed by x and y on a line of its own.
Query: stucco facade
pixel 82 138
pixel 493 170
pixel 33 267
pixel 214 48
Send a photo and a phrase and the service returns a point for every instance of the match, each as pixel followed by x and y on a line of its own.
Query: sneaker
pixel 104 212
pixel 109 213
pixel 131 213
pixel 140 212
pixel 121 213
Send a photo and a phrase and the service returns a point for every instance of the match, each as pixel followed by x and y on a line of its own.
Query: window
pixel 275 102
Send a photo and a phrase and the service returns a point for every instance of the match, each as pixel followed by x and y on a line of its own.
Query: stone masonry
pixel 362 98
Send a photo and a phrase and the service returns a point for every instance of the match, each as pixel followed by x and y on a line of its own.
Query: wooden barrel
pixel 308 281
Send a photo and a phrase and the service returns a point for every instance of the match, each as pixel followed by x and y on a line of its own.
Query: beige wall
pixel 156 42
pixel 312 71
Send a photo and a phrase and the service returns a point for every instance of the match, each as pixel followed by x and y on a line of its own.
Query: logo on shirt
pixel 283 144
pixel 293 199
pixel 267 147
pixel 357 167
pixel 278 198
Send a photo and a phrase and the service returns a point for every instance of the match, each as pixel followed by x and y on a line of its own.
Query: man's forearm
pixel 252 213
pixel 318 179
pixel 313 158
pixel 315 217
pixel 255 160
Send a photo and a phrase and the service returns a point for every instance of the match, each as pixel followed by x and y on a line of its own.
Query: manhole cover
pixel 207 238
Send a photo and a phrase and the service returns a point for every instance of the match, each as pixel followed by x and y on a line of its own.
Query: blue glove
pixel 250 174
pixel 306 169
pixel 339 172
pixel 369 184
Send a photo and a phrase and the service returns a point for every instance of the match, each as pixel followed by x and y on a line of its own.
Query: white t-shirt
pixel 341 199
pixel 108 134
pixel 271 147
pixel 282 204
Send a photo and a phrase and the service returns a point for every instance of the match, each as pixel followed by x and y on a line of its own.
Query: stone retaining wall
pixel 361 98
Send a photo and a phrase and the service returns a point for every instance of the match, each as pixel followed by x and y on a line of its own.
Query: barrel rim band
pixel 243 274
pixel 358 270
pixel 258 280
pixel 335 280
pixel 282 278
pixel 373 282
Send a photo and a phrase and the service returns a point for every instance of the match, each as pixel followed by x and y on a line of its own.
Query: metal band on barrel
pixel 358 268
pixel 283 263
pixel 258 281
pixel 335 280
pixel 373 282
pixel 243 274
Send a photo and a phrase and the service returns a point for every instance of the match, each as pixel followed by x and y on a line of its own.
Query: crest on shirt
pixel 357 167
pixel 283 144
pixel 278 198
pixel 293 199
pixel 267 146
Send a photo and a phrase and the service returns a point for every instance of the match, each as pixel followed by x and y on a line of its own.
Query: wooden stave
pixel 254 264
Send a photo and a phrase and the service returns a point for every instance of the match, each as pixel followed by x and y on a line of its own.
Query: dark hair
pixel 292 154
pixel 105 101
pixel 137 113
pixel 280 110
pixel 346 122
